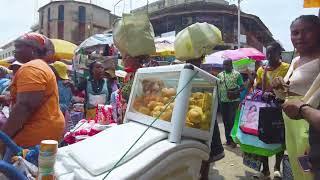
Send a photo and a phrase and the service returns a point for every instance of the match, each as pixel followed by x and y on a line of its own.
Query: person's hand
pixel 268 96
pixel 291 108
pixel 279 84
pixel 68 83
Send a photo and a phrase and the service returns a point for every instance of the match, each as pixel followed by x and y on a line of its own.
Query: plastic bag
pixel 249 119
pixel 196 41
pixel 248 143
pixel 133 35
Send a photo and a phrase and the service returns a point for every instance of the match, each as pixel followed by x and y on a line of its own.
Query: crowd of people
pixel 40 93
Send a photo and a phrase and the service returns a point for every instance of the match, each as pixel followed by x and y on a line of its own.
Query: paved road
pixel 231 167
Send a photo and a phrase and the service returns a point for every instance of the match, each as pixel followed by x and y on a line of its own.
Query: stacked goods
pixel 196 40
pixel 157 98
pixel 133 35
pixel 199 114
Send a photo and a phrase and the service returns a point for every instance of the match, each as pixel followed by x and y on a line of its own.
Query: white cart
pixel 178 106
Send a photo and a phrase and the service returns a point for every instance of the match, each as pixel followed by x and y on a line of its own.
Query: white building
pixel 73 21
pixel 7 50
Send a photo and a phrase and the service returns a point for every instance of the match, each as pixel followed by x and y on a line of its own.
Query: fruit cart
pixel 166 135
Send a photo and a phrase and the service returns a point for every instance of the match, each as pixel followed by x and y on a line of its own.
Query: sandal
pixel 277 175
pixel 261 176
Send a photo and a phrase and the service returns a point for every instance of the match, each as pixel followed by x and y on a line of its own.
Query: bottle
pixel 47 159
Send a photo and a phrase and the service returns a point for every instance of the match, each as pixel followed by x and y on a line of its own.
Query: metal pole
pixel 239 24
pixel 130 6
pixel 114 7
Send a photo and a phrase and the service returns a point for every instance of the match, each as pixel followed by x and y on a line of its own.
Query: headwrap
pixel 40 42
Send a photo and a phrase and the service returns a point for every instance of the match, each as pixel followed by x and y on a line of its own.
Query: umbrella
pixel 97 39
pixel 215 58
pixel 63 49
pixel 196 41
pixel 253 53
pixel 6 62
pixel 242 53
pixel 242 64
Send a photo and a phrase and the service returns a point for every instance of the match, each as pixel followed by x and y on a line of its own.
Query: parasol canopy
pixel 97 39
pixel 240 63
pixel 242 53
pixel 63 49
pixel 215 58
pixel 196 41
pixel 7 61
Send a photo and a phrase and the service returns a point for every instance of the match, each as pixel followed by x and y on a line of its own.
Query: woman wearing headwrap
pixel 35 113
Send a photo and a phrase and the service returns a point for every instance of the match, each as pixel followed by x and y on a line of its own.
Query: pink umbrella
pixel 234 54
pixel 241 53
pixel 215 58
pixel 253 53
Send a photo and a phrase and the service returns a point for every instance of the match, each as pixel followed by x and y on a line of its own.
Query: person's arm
pixel 258 83
pixel 76 89
pixel 311 115
pixel 27 103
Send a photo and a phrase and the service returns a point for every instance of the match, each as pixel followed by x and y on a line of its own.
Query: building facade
pixel 7 50
pixel 175 15
pixel 73 21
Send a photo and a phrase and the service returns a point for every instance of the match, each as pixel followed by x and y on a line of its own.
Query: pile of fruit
pixel 152 104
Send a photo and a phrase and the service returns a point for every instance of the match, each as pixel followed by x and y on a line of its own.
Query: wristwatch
pixel 302 106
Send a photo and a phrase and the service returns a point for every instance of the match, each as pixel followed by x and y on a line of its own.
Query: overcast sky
pixel 17 16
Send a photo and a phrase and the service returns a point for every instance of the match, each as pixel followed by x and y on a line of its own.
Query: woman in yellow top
pixel 275 68
pixel 265 75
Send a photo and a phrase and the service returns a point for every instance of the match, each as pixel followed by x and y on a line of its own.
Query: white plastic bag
pixel 133 35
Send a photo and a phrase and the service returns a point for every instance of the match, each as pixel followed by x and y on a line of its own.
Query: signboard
pixel 311 3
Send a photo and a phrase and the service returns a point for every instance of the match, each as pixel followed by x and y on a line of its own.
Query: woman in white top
pixel 305 36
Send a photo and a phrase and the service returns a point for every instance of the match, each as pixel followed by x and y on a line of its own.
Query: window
pixel 49 14
pixel 61 21
pixel 82 23
pixel 82 14
pixel 41 19
pixel 61 12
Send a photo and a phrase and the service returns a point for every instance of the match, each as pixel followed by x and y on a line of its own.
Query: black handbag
pixel 271 125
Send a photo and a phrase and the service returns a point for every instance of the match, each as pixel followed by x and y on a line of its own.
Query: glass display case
pixel 180 99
